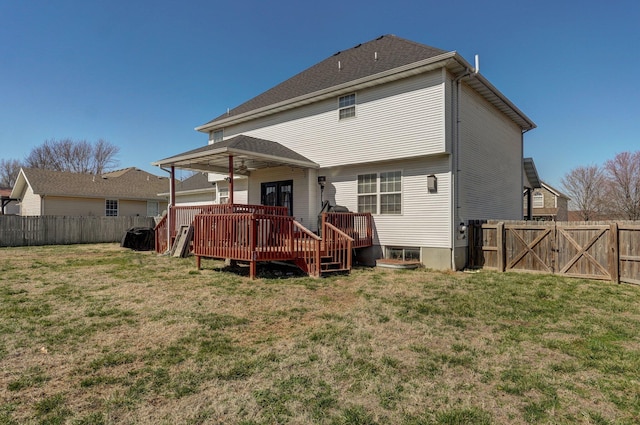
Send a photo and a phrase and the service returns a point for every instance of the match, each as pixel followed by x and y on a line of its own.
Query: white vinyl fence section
pixel 62 230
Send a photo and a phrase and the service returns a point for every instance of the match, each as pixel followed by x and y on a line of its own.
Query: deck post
pixel 231 179
pixel 198 262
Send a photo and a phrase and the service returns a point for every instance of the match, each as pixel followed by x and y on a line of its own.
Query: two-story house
pixel 413 134
pixel 549 204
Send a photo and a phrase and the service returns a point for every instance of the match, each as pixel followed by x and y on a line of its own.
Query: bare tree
pixel 75 156
pixel 9 169
pixel 585 186
pixel 623 194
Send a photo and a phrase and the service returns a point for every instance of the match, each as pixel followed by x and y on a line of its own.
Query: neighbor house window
pixel 153 209
pixel 218 135
pixel 347 106
pixel 538 200
pixel 380 192
pixel 111 208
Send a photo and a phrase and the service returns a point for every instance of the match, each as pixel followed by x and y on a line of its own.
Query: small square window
pixel 218 136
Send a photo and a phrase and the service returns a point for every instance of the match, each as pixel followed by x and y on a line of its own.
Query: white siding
pixel 426 217
pixel 207 198
pixel 30 203
pixel 490 155
pixel 397 120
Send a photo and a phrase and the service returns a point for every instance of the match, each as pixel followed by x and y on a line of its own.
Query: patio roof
pixel 249 153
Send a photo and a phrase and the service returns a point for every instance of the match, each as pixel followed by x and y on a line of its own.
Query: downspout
pixel 455 165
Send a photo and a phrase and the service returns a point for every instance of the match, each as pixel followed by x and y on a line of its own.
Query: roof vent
pixel 375 56
pixel 355 47
pixel 336 53
pixel 381 37
pixel 339 66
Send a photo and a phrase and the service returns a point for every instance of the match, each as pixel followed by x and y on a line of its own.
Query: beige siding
pixel 490 162
pixel 426 217
pixel 31 203
pixel 57 205
pixel 305 208
pixel 196 198
pixel 393 121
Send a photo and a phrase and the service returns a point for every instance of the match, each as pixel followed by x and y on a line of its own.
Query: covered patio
pixel 254 232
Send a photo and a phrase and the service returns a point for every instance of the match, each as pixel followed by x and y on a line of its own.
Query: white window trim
pixel 378 193
pixel 117 201
pixel 537 203
pixel 344 108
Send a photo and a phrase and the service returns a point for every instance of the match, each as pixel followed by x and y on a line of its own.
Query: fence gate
pixel 629 253
pixel 529 247
pixel 584 251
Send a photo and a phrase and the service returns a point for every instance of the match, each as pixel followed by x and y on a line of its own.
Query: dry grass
pixel 96 334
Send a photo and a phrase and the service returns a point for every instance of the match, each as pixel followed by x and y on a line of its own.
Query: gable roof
pixel 197 183
pixel 256 153
pixel 128 183
pixel 384 59
pixel 553 190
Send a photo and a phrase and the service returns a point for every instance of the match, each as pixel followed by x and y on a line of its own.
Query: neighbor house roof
pixel 553 190
pixel 381 60
pixel 197 183
pixel 128 183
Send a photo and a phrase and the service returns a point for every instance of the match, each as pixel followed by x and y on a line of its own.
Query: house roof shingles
pixel 128 183
pixel 380 57
pixel 382 54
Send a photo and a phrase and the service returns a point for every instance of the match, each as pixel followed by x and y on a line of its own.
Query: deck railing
pixel 337 247
pixel 184 215
pixel 307 249
pixel 358 226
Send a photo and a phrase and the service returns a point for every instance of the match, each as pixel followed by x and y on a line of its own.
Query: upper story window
pixel 111 207
pixel 218 135
pixel 347 106
pixel 538 200
pixel 380 192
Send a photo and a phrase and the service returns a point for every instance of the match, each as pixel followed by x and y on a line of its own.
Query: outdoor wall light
pixel 322 181
pixel 432 183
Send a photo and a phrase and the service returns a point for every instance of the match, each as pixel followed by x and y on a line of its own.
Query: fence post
pixel 500 246
pixel 614 253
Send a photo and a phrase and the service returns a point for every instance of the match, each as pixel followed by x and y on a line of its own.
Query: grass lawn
pixel 96 334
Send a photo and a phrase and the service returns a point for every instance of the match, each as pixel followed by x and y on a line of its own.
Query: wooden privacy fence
pixel 63 230
pixel 593 250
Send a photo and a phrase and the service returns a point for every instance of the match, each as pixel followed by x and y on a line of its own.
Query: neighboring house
pixel 126 192
pixel 200 189
pixel 410 133
pixel 549 204
pixel 531 182
pixel 8 205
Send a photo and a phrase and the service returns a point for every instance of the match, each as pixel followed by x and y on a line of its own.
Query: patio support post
pixel 231 179
pixel 172 204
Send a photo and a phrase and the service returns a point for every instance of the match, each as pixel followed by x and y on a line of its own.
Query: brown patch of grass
pixel 98 334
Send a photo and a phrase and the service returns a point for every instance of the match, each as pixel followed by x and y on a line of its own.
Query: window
pixel 538 200
pixel 390 193
pixel 367 193
pixel 403 253
pixel 347 106
pixel 218 135
pixel 111 208
pixel 381 192
pixel 153 209
pixel 224 196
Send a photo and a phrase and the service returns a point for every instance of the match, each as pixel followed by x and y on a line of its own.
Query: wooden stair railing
pixel 337 249
pixel 306 249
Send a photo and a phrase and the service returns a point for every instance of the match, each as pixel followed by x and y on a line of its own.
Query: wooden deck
pixel 254 233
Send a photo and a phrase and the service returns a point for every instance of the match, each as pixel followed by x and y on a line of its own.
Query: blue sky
pixel 143 74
